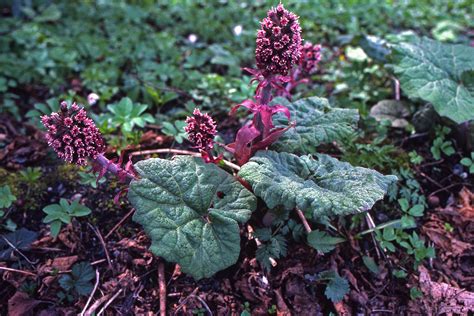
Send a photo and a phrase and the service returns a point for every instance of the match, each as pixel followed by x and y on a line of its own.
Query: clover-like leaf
pixel 321 187
pixel 316 123
pixel 6 197
pixel 191 212
pixel 438 73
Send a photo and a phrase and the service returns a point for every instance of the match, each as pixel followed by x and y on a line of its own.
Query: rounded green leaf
pixel 322 187
pixel 316 123
pixel 191 212
pixel 437 73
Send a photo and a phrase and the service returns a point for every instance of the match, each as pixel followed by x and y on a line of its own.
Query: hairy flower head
pixel 278 41
pixel 72 135
pixel 201 130
pixel 310 57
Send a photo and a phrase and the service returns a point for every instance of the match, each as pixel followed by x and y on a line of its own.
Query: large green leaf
pixel 321 187
pixel 191 212
pixel 438 73
pixel 316 122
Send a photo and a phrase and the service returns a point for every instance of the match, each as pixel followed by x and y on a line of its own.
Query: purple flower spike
pixel 310 57
pixel 278 42
pixel 72 135
pixel 201 130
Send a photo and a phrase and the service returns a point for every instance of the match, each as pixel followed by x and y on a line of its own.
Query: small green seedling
pixel 175 130
pixel 63 213
pixel 89 178
pixel 469 163
pixel 126 114
pixel 78 282
pixel 6 198
pixel 30 175
pixel 441 145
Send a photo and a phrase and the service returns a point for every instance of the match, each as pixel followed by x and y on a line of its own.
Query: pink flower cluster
pixel 310 57
pixel 201 130
pixel 73 136
pixel 278 42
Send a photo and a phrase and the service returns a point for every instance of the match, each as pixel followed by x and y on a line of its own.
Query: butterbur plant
pixel 201 129
pixel 191 208
pixel 76 139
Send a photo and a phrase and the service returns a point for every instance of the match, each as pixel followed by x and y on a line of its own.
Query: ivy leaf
pixel 437 73
pixel 191 212
pixel 323 242
pixel 322 187
pixel 316 123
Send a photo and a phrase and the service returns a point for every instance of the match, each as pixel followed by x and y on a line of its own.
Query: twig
pixel 448 187
pixel 193 295
pixel 17 250
pixel 109 302
pixel 162 286
pixel 304 220
pixel 97 277
pixel 396 89
pixel 204 304
pixel 119 223
pixel 178 152
pixel 97 232
pixel 428 164
pixel 371 224
pixel 429 178
pixel 18 271
pixel 98 261
pixel 96 305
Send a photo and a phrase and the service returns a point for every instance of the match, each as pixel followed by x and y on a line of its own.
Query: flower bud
pixel 310 57
pixel 278 42
pixel 72 135
pixel 201 130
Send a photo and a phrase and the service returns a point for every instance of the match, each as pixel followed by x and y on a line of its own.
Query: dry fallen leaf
pixel 21 304
pixel 466 198
pixel 434 229
pixel 442 298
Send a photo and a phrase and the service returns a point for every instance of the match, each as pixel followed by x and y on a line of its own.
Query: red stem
pixel 113 167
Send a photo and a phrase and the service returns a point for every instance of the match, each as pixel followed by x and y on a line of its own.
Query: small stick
pixel 119 223
pixel 397 89
pixel 304 220
pixel 109 302
pixel 371 224
pixel 429 178
pixel 18 271
pixel 97 232
pixel 97 277
pixel 448 187
pixel 98 261
pixel 165 151
pixel 17 250
pixel 96 305
pixel 162 286
pixel 178 152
